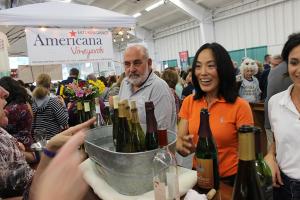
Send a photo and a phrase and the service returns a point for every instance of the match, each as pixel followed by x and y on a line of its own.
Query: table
pixel 225 190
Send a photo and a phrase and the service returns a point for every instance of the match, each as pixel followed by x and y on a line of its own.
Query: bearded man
pixel 142 84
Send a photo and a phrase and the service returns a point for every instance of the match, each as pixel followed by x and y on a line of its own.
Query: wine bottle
pixel 124 141
pixel 246 186
pixel 80 114
pixel 206 156
pixel 151 139
pixel 87 110
pixel 128 114
pixel 99 118
pixel 162 137
pixel 165 176
pixel 138 135
pixel 108 120
pixel 263 170
pixel 115 118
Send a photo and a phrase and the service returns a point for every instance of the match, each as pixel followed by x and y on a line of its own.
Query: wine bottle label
pixel 79 106
pixel 87 106
pixel 159 189
pixel 205 174
pixel 97 109
pixel 106 103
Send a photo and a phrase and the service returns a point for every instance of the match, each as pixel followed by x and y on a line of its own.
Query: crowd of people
pixel 213 82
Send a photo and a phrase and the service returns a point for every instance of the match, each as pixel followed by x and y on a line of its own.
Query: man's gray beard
pixel 137 81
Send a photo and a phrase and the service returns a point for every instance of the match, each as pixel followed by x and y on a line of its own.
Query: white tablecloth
pixel 187 179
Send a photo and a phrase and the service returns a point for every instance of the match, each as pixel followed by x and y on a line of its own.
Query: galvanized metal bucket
pixel 128 173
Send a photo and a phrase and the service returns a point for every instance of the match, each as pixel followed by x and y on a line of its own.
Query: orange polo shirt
pixel 225 119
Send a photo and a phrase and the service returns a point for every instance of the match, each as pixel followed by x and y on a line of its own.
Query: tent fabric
pixel 60 14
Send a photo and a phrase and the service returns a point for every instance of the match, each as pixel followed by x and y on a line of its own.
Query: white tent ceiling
pixel 163 16
pixel 62 14
pixel 56 14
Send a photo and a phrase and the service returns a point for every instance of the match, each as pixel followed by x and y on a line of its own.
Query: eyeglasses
pixel 135 63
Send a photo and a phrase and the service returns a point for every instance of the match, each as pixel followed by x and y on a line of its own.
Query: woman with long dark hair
pixel 18 110
pixel 284 116
pixel 215 89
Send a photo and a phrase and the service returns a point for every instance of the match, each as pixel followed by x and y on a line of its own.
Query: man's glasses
pixel 135 63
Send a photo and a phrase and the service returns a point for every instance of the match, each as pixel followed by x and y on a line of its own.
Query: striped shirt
pixel 48 118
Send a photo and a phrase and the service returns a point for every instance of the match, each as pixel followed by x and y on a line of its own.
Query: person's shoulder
pixel 278 96
pixel 54 100
pixel 241 102
pixel 64 82
pixel 189 99
pixel 159 83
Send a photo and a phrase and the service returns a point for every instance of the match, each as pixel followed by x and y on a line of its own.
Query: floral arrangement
pixel 82 90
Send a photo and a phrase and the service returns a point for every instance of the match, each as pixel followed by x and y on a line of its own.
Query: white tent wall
pixel 268 25
pixel 169 42
pixel 252 24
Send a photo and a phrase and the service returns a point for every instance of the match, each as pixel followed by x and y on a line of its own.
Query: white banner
pixel 57 46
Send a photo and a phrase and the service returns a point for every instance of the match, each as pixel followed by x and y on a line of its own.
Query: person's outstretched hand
pixel 62 179
pixel 60 139
pixel 184 144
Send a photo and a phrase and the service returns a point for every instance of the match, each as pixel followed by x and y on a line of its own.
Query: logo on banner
pixel 78 45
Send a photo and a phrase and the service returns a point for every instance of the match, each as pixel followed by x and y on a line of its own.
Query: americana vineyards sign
pixel 57 46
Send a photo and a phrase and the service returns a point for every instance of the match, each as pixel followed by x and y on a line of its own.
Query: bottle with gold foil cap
pixel 246 186
pixel 124 140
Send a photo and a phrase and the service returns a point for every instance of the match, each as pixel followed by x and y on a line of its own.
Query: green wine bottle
pixel 124 141
pixel 246 186
pixel 263 170
pixel 151 139
pixel 138 135
pixel 206 156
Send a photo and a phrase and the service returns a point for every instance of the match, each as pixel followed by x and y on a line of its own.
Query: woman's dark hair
pixel 17 93
pixel 171 77
pixel 292 42
pixel 225 69
pixel 111 80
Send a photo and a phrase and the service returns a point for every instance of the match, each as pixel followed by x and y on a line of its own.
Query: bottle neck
pixel 151 120
pixel 134 116
pixel 259 156
pixel 204 128
pixel 128 116
pixel 121 111
pixel 246 146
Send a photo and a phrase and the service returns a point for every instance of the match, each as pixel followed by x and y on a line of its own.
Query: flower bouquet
pixel 82 94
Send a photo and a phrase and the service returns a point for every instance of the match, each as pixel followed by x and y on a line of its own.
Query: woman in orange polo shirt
pixel 215 85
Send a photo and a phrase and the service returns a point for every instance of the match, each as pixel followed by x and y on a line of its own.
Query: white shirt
pixel 285 124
